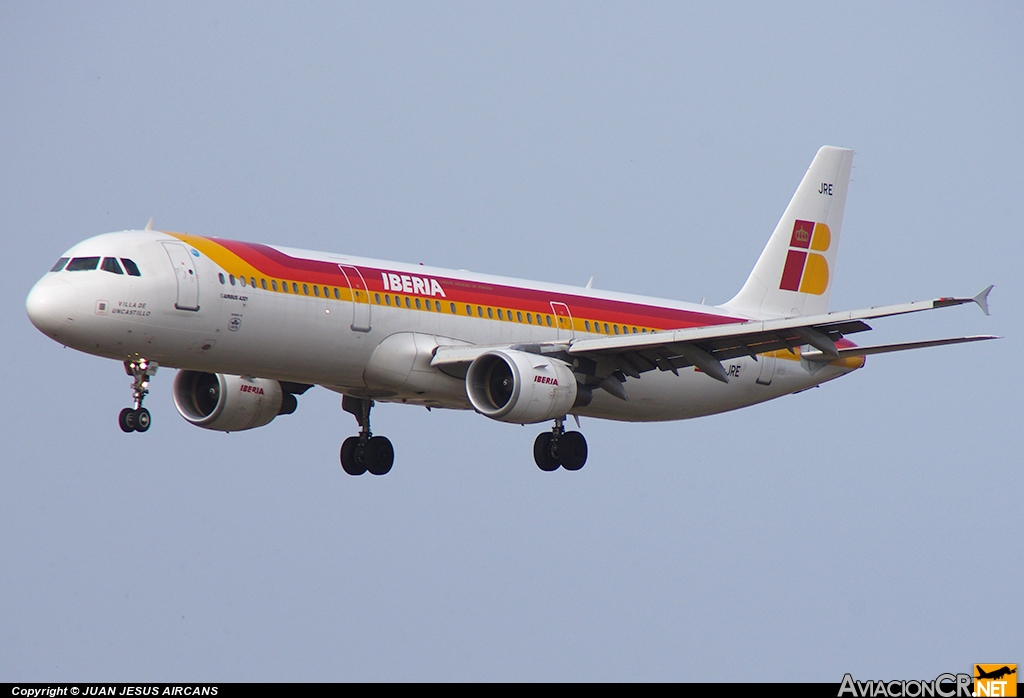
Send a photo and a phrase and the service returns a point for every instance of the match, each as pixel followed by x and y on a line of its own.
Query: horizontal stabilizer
pixel 886 348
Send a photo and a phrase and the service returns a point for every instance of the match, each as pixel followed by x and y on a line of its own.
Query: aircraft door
pixel 360 298
pixel 185 273
pixel 563 320
pixel 767 362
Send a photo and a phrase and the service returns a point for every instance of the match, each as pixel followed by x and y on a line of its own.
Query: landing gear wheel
pixel 138 419
pixel 142 419
pixel 572 450
pixel 542 455
pixel 350 463
pixel 379 455
pixel 126 420
pixel 365 452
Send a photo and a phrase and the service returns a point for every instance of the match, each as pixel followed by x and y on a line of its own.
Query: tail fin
pixel 793 275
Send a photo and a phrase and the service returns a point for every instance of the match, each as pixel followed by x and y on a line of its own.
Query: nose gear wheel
pixel 137 419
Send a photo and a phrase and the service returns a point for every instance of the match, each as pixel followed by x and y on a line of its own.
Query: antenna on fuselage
pixel 149 226
pixel 590 284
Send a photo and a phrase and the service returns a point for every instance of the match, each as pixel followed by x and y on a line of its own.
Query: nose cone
pixel 51 306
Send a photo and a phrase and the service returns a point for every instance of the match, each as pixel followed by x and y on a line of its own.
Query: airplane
pixel 250 327
pixel 995 674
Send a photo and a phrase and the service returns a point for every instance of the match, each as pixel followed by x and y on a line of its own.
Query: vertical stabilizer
pixel 793 275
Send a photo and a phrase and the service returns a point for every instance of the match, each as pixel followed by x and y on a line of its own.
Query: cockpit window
pixel 60 264
pixel 83 264
pixel 110 264
pixel 130 267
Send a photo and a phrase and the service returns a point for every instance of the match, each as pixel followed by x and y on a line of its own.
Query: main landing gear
pixel 364 453
pixel 137 419
pixel 560 448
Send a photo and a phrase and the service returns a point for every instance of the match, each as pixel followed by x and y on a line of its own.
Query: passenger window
pixel 241 280
pixel 110 264
pixel 252 280
pixel 231 279
pixel 316 291
pixel 437 305
pixel 376 298
pixel 417 304
pixel 455 311
pixel 469 311
pixel 295 287
pixel 327 292
pixel 387 299
pixel 83 264
pixel 60 264
pixel 337 296
pixel 220 275
pixel 529 318
pixel 130 267
pixel 490 313
pixel 606 330
pixel 548 317
pixel 499 314
pixel 284 286
pixel 519 316
pixel 305 289
pixel 616 328
pixel 586 323
pixel 273 284
pixel 263 284
pixel 634 330
pixel 407 304
pixel 479 311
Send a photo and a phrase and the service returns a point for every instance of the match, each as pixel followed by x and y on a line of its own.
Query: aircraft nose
pixel 51 305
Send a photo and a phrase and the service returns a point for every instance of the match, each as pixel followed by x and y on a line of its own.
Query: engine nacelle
pixel 515 386
pixel 229 403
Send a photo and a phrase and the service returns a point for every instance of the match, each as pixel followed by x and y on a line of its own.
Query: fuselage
pixel 366 327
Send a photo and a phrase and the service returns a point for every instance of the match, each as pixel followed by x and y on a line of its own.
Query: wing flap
pixel 886 348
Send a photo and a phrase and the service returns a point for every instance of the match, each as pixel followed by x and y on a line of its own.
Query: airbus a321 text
pixel 250 327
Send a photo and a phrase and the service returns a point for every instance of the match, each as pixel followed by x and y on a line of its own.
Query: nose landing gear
pixel 560 448
pixel 364 453
pixel 137 419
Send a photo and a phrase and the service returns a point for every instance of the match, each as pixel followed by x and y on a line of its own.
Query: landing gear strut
pixel 365 452
pixel 137 419
pixel 560 448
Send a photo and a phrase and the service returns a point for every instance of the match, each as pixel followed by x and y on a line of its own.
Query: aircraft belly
pixel 663 396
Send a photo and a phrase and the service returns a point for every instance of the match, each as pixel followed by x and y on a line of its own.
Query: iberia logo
pixel 807 272
pixel 995 679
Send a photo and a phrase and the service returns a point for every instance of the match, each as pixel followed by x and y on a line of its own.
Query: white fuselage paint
pixel 249 331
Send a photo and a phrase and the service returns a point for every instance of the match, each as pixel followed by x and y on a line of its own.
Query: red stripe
pixel 793 271
pixel 276 264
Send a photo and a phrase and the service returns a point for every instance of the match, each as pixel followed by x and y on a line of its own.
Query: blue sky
pixel 870 526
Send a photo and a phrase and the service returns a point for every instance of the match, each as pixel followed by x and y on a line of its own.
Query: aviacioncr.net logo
pixel 943 686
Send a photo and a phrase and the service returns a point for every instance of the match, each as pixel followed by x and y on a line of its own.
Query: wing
pixel 707 347
pixel 631 355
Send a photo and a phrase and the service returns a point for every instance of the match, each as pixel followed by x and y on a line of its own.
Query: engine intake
pixel 519 387
pixel 229 403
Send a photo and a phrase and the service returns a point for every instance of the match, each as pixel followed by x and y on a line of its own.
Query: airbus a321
pixel 250 327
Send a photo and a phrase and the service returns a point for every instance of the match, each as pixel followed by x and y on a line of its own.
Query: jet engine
pixel 515 386
pixel 229 403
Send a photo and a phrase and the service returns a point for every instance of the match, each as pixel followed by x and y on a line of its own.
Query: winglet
pixel 149 226
pixel 982 299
